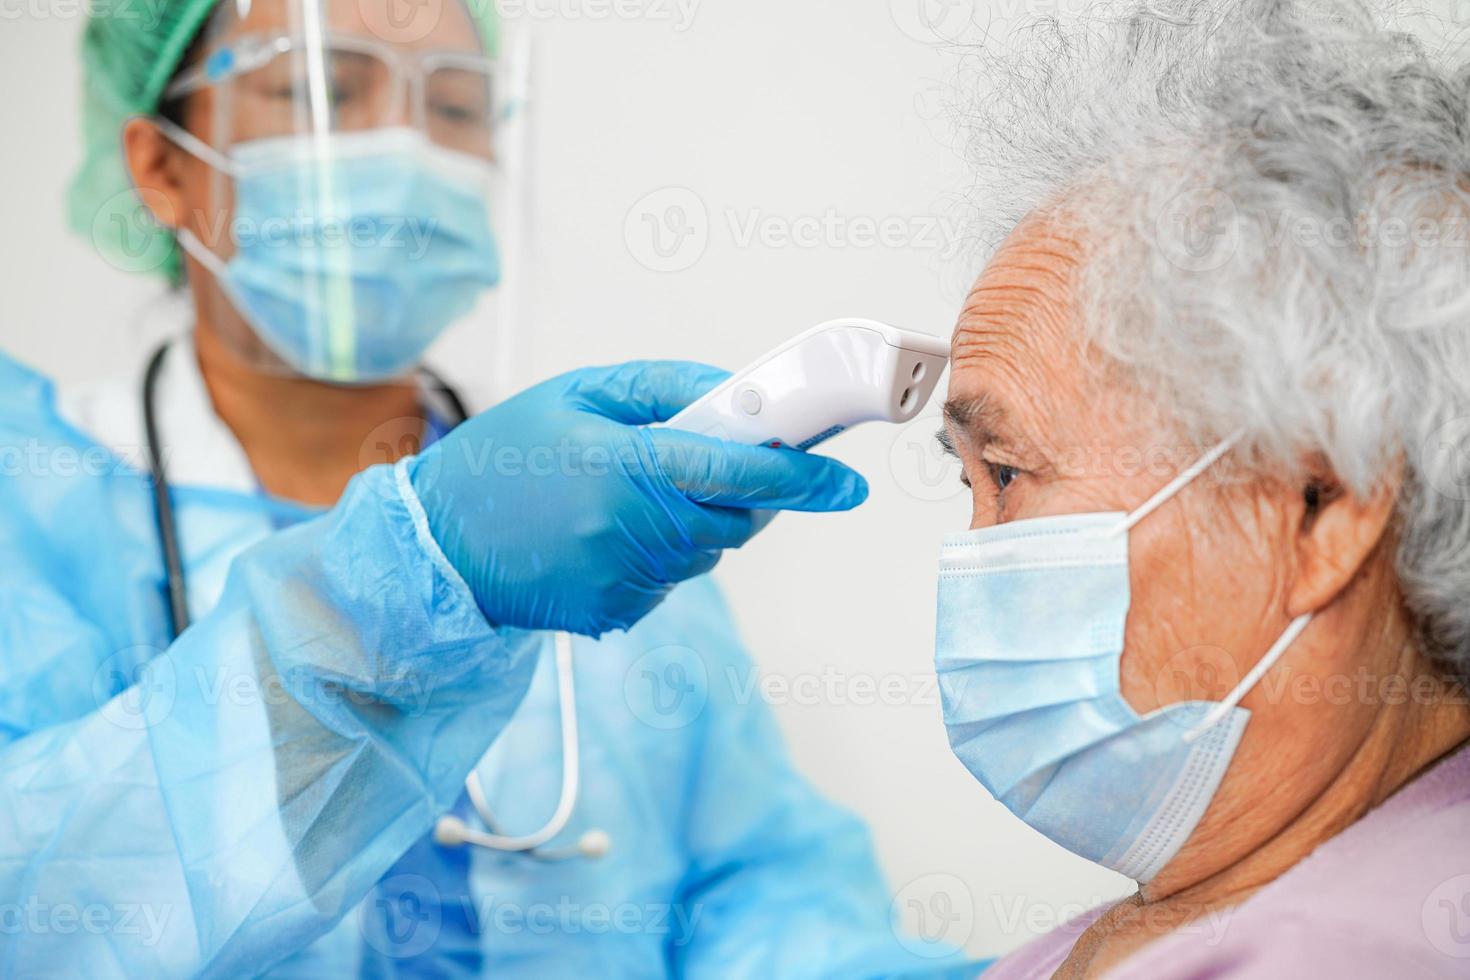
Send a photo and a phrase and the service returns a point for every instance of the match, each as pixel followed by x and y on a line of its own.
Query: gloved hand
pixel 562 512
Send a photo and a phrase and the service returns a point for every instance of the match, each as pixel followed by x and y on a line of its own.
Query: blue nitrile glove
pixel 562 511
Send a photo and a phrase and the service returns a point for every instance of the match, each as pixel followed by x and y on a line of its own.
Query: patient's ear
pixel 1337 533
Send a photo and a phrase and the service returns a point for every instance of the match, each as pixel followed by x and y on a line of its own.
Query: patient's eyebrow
pixel 979 417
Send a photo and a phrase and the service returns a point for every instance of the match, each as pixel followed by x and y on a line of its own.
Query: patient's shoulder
pixel 1389 896
pixel 1297 943
pixel 1391 861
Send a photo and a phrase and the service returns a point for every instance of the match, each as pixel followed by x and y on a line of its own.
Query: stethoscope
pixel 450 831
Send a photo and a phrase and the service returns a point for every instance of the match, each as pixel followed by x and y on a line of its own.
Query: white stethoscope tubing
pixel 451 830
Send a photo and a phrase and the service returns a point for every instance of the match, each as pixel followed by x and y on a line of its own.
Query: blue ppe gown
pixel 258 796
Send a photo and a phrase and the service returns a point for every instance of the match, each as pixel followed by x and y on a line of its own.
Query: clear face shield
pixel 363 180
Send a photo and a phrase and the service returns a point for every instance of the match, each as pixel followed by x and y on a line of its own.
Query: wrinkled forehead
pixel 407 25
pixel 1025 296
pixel 1018 373
pixel 1024 370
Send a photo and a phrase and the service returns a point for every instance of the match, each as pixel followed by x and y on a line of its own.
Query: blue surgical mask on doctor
pixel 352 251
pixel 1030 638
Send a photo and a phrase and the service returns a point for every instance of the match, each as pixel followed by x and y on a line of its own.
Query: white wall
pixel 768 110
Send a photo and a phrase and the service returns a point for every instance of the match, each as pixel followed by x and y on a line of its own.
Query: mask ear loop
pixel 1223 708
pixel 1179 482
pixel 1283 642
pixel 194 146
pixel 197 148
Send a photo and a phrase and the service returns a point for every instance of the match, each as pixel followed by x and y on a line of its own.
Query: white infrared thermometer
pixel 830 378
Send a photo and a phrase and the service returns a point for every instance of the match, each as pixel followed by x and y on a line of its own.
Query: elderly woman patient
pixel 1211 622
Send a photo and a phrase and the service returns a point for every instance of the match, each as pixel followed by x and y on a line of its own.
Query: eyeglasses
pixel 279 85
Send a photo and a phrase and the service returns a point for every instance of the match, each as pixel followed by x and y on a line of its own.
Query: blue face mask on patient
pixel 1030 637
pixel 352 254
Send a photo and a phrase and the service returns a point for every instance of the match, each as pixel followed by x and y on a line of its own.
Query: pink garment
pixel 1387 897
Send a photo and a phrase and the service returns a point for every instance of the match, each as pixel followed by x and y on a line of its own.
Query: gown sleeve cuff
pixel 388 615
pixel 454 582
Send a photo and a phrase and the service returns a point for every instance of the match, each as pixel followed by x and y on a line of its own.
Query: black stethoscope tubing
pixel 176 594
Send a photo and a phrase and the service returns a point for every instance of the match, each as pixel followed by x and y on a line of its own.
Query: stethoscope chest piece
pixel 451 831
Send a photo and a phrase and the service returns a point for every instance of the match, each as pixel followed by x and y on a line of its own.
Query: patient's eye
pixel 1001 474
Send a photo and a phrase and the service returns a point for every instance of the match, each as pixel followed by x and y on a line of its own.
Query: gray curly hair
pixel 1274 200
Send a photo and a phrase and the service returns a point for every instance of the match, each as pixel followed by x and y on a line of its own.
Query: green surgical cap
pixel 130 50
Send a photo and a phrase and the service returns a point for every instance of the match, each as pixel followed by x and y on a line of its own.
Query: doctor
pixel 242 684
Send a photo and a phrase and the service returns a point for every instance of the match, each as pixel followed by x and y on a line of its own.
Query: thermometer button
pixel 750 401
